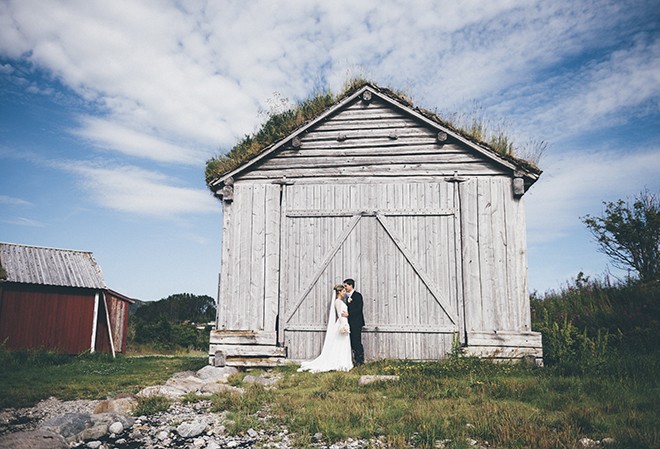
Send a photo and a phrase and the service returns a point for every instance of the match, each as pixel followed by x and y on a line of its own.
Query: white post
pixel 92 349
pixel 107 318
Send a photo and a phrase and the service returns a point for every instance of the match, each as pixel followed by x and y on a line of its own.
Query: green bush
pixel 590 321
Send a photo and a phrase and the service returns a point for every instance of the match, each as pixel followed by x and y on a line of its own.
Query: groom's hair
pixel 350 282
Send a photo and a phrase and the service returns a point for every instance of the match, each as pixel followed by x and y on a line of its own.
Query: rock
pixel 199 442
pixel 212 445
pixel 116 427
pixel 94 444
pixel 34 439
pixel 191 429
pixel 318 436
pixel 189 384
pixel 607 440
pixel 216 374
pixel 232 443
pixel 252 433
pixel 587 442
pixel 162 390
pixel 367 379
pixel 92 433
pixel 124 405
pixel 162 435
pixel 68 425
pixel 262 380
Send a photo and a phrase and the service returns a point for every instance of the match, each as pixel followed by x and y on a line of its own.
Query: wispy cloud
pixel 12 201
pixel 137 191
pixel 576 183
pixel 113 136
pixel 22 221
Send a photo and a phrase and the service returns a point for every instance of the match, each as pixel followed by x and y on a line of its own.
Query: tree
pixel 629 233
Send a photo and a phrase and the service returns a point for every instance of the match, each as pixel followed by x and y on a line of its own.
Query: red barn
pixel 56 299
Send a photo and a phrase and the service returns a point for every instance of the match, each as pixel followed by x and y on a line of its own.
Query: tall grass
pixel 27 377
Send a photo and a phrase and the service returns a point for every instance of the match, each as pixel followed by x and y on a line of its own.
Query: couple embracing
pixel 342 347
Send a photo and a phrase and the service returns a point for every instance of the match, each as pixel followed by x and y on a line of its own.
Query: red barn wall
pixel 41 317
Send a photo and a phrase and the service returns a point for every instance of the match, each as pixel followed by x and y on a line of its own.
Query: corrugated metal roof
pixel 50 266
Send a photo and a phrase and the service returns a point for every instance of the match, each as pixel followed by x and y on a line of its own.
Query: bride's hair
pixel 338 289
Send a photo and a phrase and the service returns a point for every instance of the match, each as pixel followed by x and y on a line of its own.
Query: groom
pixel 355 320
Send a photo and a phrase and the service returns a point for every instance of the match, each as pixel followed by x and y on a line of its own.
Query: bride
pixel 336 353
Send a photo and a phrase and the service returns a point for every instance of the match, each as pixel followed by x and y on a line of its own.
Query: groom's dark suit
pixel 356 322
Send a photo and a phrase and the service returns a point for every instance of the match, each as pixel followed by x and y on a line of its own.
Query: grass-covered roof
pixel 283 124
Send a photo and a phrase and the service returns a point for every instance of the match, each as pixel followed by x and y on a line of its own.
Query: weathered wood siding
pixel 494 256
pixel 249 281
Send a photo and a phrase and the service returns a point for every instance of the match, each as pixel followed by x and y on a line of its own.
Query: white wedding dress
pixel 336 353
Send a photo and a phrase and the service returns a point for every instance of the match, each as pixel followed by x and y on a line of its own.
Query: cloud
pixel 198 73
pixel 137 191
pixel 576 183
pixel 12 201
pixel 113 136
pixel 21 221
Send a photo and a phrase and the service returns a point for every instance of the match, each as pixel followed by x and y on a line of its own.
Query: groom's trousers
pixel 356 345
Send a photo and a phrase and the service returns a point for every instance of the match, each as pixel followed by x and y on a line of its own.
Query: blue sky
pixel 109 111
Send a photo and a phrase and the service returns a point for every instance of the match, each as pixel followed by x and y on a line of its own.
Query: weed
pixel 150 405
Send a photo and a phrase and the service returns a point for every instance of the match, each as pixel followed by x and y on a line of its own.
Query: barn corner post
pixel 429 222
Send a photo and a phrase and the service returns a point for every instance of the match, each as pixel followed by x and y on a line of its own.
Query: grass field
pixel 457 399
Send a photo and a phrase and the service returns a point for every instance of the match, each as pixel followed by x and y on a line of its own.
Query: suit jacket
pixel 355 315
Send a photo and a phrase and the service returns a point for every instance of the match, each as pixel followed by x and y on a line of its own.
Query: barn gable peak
pixel 365 96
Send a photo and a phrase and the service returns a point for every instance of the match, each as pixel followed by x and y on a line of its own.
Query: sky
pixel 109 111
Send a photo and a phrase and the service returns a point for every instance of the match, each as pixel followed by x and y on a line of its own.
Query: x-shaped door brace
pixel 426 279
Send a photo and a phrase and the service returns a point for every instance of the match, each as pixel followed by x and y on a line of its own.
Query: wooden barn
pixel 56 299
pixel 429 222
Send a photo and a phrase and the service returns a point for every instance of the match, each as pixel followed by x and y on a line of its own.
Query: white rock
pixel 216 374
pixel 587 442
pixel 232 443
pixel 367 379
pixel 607 440
pixel 116 427
pixel 162 435
pixel 94 444
pixel 252 433
pixel 212 445
pixel 191 429
pixel 199 442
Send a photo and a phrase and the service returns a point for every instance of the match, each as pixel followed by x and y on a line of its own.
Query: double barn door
pixel 400 242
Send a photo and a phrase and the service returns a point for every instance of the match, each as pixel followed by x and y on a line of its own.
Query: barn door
pixel 404 263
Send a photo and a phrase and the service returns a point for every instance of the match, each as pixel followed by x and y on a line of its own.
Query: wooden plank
pixel 470 255
pixel 388 123
pixel 254 310
pixel 367 155
pixel 242 337
pixel 384 168
pixel 502 352
pixel 486 254
pixel 520 339
pixel 446 152
pixel 370 212
pixel 389 328
pixel 272 257
pixel 248 350
pixel 384 131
